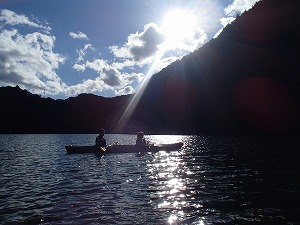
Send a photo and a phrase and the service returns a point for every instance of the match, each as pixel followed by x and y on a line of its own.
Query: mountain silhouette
pixel 23 112
pixel 245 81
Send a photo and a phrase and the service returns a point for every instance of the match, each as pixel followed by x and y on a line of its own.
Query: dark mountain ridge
pixel 246 81
pixel 23 112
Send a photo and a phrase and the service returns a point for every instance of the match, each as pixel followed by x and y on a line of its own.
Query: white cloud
pixel 125 91
pixel 125 64
pixel 98 65
pixel 164 62
pixel 224 22
pixel 28 60
pixel 193 42
pixel 239 6
pixel 79 35
pixel 132 77
pixel 8 17
pixel 82 52
pixel 144 48
pixel 140 46
pixel 146 44
pixel 88 86
pixel 112 77
pixel 78 67
pixel 109 78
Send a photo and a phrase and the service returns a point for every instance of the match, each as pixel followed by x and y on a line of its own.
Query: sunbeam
pixel 173 35
pixel 130 107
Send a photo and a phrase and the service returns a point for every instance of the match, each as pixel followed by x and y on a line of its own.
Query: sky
pixel 62 48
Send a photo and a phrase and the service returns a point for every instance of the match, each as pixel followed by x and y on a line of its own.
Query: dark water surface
pixel 211 180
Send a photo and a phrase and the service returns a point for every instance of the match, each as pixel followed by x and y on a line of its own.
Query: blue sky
pixel 61 48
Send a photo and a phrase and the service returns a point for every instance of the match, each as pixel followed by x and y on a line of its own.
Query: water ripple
pixel 211 180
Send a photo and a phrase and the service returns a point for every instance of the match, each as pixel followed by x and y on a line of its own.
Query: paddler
pixel 140 140
pixel 100 141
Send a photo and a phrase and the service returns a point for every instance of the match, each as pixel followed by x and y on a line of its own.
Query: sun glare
pixel 178 24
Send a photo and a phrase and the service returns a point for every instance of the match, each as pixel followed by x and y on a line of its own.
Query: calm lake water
pixel 211 180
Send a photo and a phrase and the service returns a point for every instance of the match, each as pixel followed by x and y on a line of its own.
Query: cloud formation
pixel 82 52
pixel 109 78
pixel 239 6
pixel 125 91
pixel 79 35
pixel 192 42
pixel 140 47
pixel 224 22
pixel 28 59
pixel 143 48
pixel 146 43
pixel 8 17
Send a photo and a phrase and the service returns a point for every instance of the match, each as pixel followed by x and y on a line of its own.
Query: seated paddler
pixel 140 140
pixel 100 141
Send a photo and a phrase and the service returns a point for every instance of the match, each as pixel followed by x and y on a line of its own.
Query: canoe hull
pixel 71 149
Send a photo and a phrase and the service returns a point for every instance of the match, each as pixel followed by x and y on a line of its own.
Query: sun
pixel 178 24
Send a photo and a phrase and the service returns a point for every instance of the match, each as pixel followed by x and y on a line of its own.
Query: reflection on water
pixel 224 180
pixel 211 180
pixel 171 184
pixel 165 139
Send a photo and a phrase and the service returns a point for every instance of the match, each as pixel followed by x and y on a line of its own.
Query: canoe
pixel 71 149
pixel 151 148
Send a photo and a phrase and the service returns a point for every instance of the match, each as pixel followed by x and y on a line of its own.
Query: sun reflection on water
pixel 171 176
pixel 165 139
pixel 172 219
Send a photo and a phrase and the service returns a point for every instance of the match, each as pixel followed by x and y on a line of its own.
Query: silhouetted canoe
pixel 71 149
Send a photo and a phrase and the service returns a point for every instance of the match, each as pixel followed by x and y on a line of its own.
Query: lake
pixel 210 180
